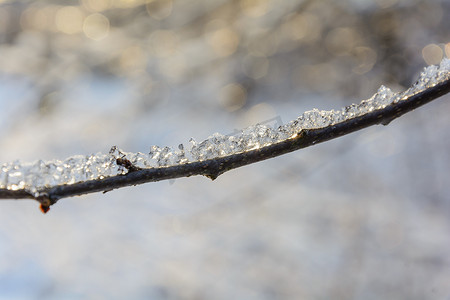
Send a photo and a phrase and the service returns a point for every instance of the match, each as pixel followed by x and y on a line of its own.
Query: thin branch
pixel 212 168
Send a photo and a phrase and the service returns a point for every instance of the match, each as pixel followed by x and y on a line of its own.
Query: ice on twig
pixel 38 175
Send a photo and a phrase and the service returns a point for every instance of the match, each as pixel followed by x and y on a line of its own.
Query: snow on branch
pixel 49 181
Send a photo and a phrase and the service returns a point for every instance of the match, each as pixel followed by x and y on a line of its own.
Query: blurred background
pixel 366 216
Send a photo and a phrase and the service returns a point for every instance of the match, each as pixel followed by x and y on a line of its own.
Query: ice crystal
pixel 38 175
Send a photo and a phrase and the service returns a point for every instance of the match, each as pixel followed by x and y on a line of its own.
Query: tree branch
pixel 212 168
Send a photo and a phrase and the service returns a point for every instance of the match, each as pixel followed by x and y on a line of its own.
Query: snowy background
pixel 366 216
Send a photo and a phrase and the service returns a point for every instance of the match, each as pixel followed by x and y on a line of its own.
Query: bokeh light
pixel 96 26
pixel 96 5
pixel 221 38
pixel 304 27
pixel 432 54
pixel 365 59
pixel 254 8
pixel 233 97
pixel 69 20
pixel 127 3
pixel 159 9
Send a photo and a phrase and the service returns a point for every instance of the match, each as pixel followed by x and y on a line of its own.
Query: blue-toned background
pixel 366 216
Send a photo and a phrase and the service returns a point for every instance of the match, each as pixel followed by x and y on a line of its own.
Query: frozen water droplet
pixel 350 111
pixel 316 119
pixel 429 77
pixel 383 97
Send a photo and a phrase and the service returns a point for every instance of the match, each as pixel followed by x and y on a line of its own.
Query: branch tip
pixel 45 201
pixel 212 176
